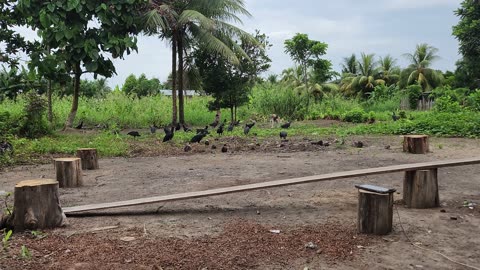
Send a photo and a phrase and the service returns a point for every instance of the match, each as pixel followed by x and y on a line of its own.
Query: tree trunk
pixel 89 158
pixel 49 100
pixel 375 212
pixel 36 205
pixel 235 113
pixel 415 144
pixel 181 112
pixel 232 116
pixel 69 172
pixel 174 80
pixel 420 189
pixel 76 93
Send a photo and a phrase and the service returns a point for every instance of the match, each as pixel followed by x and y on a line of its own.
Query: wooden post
pixel 375 211
pixel 69 172
pixel 89 158
pixel 415 144
pixel 36 205
pixel 420 189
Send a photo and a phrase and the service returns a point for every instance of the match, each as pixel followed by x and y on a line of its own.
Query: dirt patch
pixel 200 223
pixel 241 245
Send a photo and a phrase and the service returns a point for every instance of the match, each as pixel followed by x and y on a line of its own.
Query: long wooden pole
pixel 277 183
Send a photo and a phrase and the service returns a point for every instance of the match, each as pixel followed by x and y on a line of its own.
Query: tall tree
pixel 389 71
pixel 189 22
pixel 229 83
pixel 84 34
pixel 419 71
pixel 467 31
pixel 305 52
pixel 350 64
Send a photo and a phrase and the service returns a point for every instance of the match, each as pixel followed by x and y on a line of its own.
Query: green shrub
pixel 414 92
pixel 473 101
pixel 34 124
pixel 447 104
pixel 355 116
pixel 280 100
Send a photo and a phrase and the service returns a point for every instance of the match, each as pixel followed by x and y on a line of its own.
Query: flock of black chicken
pixel 219 127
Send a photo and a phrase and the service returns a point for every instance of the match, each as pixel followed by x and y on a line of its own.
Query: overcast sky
pixel 347 26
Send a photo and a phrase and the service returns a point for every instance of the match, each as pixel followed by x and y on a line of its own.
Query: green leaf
pixel 69 34
pixel 59 35
pixel 72 4
pixel 103 6
pixel 44 20
pixel 51 7
pixel 91 67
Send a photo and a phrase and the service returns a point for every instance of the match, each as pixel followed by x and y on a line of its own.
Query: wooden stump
pixel 89 158
pixel 36 205
pixel 375 211
pixel 420 189
pixel 415 144
pixel 69 172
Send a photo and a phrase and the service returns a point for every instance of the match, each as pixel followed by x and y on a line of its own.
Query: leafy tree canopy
pixel 467 31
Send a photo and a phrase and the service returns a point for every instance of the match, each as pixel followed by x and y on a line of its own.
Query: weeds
pixel 6 238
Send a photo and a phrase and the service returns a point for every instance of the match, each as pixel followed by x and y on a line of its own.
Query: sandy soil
pixel 302 212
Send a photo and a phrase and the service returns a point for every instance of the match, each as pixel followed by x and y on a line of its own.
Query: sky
pixel 348 26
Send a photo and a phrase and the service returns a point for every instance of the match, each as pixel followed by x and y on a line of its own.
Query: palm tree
pixel 190 22
pixel 293 77
pixel 419 71
pixel 389 71
pixel 350 64
pixel 366 79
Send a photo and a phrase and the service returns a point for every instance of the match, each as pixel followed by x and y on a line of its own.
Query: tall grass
pixel 123 111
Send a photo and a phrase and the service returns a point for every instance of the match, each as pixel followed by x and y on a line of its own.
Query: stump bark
pixel 89 158
pixel 420 189
pixel 415 144
pixel 69 172
pixel 36 205
pixel 375 212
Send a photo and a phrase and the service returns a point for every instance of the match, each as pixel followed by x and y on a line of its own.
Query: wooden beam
pixel 276 183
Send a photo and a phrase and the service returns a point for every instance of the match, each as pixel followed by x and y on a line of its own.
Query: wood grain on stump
pixel 375 212
pixel 415 144
pixel 69 172
pixel 420 189
pixel 37 205
pixel 89 158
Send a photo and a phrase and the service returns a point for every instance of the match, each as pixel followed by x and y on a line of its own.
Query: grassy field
pixel 122 113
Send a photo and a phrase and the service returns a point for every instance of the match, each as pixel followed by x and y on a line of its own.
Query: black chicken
pixel 80 126
pixel 198 137
pixel 134 134
pixel 169 135
pixel 246 129
pixel 177 127
pixel 153 129
pixel 230 127
pixel 395 117
pixel 283 135
pixel 202 130
pixel 186 129
pixel 286 125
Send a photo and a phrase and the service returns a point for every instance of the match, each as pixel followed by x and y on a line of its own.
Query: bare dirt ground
pixel 233 231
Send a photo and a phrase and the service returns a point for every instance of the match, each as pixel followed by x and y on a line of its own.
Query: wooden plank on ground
pixel 276 183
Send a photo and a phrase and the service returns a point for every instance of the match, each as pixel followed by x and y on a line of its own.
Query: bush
pixel 356 116
pixel 34 124
pixel 447 104
pixel 280 100
pixel 414 92
pixel 473 101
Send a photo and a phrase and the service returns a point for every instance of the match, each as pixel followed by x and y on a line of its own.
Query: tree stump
pixel 69 172
pixel 375 209
pixel 36 205
pixel 89 158
pixel 415 144
pixel 420 189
